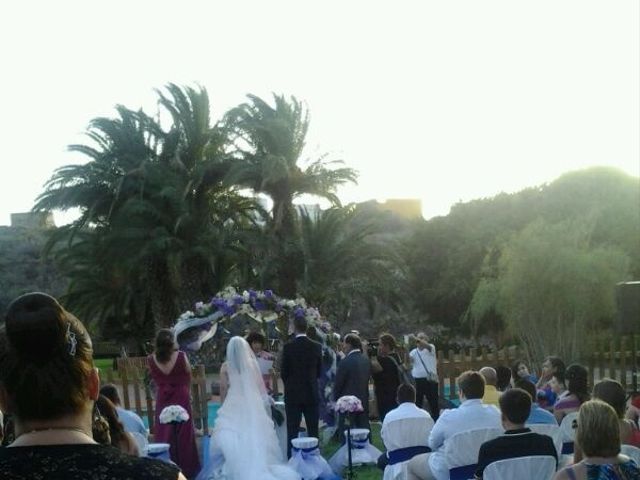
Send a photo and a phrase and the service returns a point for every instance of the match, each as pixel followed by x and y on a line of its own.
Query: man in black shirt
pixel 517 440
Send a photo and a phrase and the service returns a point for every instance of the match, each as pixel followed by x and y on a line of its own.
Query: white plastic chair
pixel 403 433
pixel 143 443
pixel 568 427
pixel 632 452
pixel 521 468
pixel 461 450
pixel 551 430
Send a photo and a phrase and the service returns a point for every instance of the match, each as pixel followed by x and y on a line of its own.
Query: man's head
pixel 515 405
pixel 471 385
pixel 490 375
pixel 422 340
pixel 300 324
pixel 406 393
pixel 110 391
pixel 351 342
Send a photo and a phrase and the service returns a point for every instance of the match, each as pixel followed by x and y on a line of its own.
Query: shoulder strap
pixel 422 361
pixel 401 373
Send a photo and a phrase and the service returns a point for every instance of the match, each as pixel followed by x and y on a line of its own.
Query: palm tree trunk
pixel 163 305
pixel 285 234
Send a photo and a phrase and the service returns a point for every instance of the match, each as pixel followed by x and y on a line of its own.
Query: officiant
pixel 257 341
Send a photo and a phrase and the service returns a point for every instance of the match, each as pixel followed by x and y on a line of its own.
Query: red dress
pixel 175 389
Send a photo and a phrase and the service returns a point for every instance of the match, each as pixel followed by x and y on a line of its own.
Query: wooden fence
pixel 134 382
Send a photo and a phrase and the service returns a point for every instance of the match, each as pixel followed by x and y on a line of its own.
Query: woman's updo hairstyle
pixel 45 359
pixel 165 345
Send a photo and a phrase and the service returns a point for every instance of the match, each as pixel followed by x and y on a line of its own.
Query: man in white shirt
pixel 130 420
pixel 425 372
pixel 471 414
pixel 405 429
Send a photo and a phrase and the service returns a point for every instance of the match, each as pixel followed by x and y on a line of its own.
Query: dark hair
pixel 45 359
pixel 353 340
pixel 504 377
pixel 472 384
pixel 611 392
pixel 515 404
pixel 557 364
pixel 108 412
pixel 515 366
pixel 560 377
pixel 256 337
pixel 165 345
pixel 300 324
pixel 312 333
pixel 388 340
pixel 110 391
pixel 577 382
pixel 406 393
pixel 528 387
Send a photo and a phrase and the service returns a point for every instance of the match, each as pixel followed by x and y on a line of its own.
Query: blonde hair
pixel 598 429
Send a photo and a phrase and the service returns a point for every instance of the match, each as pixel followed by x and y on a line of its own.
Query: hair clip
pixel 71 339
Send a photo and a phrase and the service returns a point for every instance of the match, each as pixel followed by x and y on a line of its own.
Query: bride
pixel 244 444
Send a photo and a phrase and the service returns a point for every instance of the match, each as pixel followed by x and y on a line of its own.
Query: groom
pixel 301 367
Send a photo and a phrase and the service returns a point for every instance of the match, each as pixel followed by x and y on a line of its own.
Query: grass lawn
pixel 364 472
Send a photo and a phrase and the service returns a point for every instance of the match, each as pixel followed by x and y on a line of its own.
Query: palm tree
pixel 269 144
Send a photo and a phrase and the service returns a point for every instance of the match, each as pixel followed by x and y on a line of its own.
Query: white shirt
pixel 429 360
pixel 406 426
pixel 471 414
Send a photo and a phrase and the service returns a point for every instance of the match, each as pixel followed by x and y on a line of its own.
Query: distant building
pixel 36 220
pixel 408 208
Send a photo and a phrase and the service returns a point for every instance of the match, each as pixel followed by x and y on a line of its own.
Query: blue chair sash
pixel 404 454
pixel 463 473
pixel 567 448
pixel 359 444
pixel 306 452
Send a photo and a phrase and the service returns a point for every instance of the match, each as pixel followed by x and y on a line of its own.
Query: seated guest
pixel 517 441
pixel 491 394
pixel 472 414
pixel 537 414
pixel 633 412
pixel 612 392
pixel 49 384
pixel 550 367
pixel 411 427
pixel 577 392
pixel 598 436
pixel 519 370
pixel 504 378
pixel 117 436
pixel 130 420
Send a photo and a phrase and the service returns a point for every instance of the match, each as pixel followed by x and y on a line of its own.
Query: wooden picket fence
pixel 618 358
pixel 134 382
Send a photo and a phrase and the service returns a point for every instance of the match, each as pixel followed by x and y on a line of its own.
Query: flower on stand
pixel 349 404
pixel 173 414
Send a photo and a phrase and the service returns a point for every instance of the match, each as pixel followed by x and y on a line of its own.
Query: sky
pixel 445 101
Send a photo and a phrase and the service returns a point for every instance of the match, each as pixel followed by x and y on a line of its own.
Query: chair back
pixel 142 442
pixel 523 468
pixel 551 430
pixel 461 450
pixel 407 432
pixel 632 452
pixel 569 426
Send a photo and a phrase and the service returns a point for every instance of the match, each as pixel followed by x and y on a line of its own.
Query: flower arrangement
pixel 349 404
pixel 173 414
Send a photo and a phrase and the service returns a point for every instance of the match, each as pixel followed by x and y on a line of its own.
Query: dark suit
pixel 301 367
pixel 352 378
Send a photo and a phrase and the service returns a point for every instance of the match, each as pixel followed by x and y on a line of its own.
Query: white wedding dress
pixel 244 444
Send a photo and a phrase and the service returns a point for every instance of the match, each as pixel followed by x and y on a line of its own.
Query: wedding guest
pixel 537 414
pixel 425 372
pixel 301 367
pixel 119 438
pixel 130 420
pixel 49 384
pixel 517 441
pixel 386 368
pixel 491 394
pixel 327 377
pixel 551 366
pixel 598 436
pixel 503 374
pixel 633 412
pixel 171 372
pixel 257 341
pixel 521 370
pixel 352 378
pixel 612 392
pixel 577 392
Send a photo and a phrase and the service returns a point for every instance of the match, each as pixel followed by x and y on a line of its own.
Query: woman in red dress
pixel 171 374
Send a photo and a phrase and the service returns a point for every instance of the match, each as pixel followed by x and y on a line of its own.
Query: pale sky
pixel 443 101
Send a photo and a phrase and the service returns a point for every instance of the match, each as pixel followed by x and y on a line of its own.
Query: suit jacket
pixel 352 378
pixel 301 367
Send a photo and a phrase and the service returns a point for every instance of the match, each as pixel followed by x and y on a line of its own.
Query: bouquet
pixel 349 404
pixel 173 414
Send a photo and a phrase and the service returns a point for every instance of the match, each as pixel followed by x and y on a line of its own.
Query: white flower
pixel 290 303
pixel 186 315
pixel 349 404
pixel 173 413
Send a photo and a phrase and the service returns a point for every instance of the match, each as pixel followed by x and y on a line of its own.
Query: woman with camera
pixel 386 368
pixel 424 371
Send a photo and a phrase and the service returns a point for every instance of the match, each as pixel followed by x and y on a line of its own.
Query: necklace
pixel 51 429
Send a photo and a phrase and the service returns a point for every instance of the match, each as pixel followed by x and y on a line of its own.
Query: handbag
pixel 402 374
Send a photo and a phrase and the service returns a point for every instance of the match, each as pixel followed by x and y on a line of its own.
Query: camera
pixel 372 347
